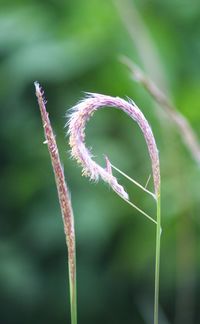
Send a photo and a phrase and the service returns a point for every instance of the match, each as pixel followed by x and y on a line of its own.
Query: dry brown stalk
pixel 182 125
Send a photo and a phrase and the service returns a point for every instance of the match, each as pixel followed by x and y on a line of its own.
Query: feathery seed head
pixel 81 113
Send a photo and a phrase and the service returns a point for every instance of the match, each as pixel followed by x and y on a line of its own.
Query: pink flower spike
pixel 81 113
pixel 64 198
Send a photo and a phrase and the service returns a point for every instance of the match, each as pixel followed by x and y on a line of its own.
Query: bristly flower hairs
pixel 76 124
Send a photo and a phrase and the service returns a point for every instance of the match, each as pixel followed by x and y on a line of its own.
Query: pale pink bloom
pixel 81 113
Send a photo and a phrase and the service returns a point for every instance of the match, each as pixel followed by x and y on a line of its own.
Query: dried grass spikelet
pixel 78 117
pixel 64 198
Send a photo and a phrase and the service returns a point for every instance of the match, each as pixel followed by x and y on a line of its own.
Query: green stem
pixel 73 292
pixel 157 262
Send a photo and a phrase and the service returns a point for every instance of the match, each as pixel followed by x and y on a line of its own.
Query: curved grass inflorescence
pixel 78 117
pixel 81 113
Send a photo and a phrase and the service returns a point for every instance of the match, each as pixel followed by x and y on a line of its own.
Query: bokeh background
pixel 71 47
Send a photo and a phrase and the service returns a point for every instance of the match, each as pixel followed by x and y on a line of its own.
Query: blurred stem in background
pixel 142 40
pixel 64 199
pixel 181 123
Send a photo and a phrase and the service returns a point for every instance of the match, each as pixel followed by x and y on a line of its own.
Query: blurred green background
pixel 71 47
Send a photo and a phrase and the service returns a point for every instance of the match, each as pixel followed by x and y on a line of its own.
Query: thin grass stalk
pixel 157 263
pixel 64 200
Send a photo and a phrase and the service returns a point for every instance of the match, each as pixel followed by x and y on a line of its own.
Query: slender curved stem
pixel 157 262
